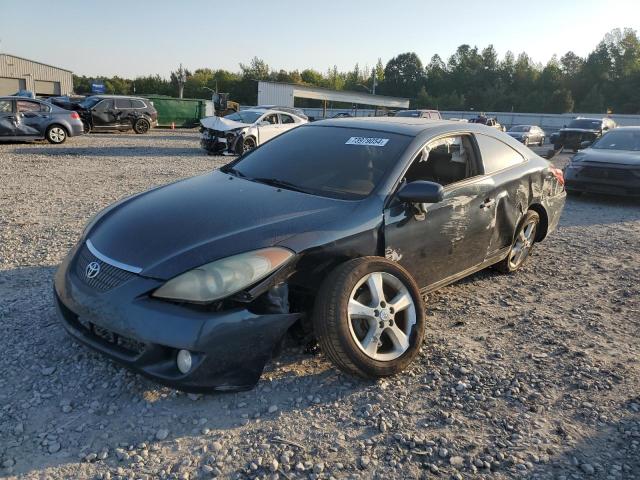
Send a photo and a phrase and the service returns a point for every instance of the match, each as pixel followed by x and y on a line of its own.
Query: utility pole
pixel 375 81
pixel 181 76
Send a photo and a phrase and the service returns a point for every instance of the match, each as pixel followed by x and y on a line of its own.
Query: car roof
pixel 629 127
pixel 16 97
pixel 403 125
pixel 116 96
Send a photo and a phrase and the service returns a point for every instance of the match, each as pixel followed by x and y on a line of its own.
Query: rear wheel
pixel 369 317
pixel 56 134
pixel 522 245
pixel 141 126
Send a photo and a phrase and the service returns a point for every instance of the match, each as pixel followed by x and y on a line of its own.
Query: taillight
pixel 75 115
pixel 558 174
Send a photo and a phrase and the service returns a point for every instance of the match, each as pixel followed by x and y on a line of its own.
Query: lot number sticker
pixel 367 141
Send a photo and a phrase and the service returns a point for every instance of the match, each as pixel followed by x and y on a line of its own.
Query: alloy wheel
pixel 523 244
pixel 57 135
pixel 381 316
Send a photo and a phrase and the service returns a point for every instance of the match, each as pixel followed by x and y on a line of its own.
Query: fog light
pixel 184 361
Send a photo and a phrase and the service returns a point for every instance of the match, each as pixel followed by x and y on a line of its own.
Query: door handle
pixel 487 203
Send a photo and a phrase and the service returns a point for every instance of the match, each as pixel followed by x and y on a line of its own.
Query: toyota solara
pixel 335 228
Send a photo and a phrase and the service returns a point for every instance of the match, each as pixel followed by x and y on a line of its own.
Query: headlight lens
pixel 224 277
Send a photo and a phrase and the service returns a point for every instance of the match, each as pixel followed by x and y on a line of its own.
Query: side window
pixel 445 161
pixel 26 106
pixel 286 118
pixel 497 155
pixel 104 105
pixel 6 106
pixel 123 103
pixel 45 108
pixel 272 118
pixel 137 104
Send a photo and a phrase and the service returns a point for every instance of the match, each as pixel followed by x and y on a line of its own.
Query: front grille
pixel 107 278
pixel 605 173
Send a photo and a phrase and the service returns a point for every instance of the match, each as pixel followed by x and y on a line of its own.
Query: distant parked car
pixel 30 119
pixel 342 115
pixel 581 130
pixel 488 121
pixel 115 112
pixel 432 114
pixel 245 130
pixel 610 165
pixel 527 134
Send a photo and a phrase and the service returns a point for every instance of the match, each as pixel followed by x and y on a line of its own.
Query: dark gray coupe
pixel 334 227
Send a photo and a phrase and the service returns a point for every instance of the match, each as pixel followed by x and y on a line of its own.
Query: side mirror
pixel 421 191
pixel 586 144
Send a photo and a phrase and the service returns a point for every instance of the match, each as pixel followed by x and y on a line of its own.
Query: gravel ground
pixel 533 375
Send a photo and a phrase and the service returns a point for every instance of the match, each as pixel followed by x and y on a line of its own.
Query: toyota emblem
pixel 93 269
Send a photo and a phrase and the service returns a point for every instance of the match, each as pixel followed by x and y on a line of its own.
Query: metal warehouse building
pixel 18 73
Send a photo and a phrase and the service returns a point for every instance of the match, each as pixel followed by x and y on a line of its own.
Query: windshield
pixel 520 128
pixel 408 113
pixel 89 102
pixel 619 140
pixel 585 123
pixel 244 117
pixel 336 162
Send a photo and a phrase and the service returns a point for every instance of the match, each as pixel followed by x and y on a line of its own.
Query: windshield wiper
pixel 275 182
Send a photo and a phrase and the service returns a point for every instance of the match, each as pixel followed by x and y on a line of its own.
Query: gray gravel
pixel 534 375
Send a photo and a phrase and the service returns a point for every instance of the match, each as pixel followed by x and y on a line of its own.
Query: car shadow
pixel 121 151
pixel 76 402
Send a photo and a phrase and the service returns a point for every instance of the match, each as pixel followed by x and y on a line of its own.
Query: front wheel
pixel 369 318
pixel 248 144
pixel 522 245
pixel 141 126
pixel 56 134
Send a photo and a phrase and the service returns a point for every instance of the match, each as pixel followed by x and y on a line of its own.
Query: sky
pixel 138 37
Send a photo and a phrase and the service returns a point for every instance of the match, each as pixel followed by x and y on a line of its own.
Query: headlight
pixel 224 277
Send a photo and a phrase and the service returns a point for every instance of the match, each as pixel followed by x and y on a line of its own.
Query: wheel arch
pixel 544 221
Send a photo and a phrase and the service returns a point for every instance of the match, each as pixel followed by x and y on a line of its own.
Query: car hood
pixel 617 157
pixel 222 124
pixel 171 229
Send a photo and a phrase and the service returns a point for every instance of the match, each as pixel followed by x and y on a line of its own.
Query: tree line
pixel 607 79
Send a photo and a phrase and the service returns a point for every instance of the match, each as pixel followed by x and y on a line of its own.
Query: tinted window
pixel 123 103
pixel 25 106
pixel 138 104
pixel 328 161
pixel 497 155
pixel 585 123
pixel 619 140
pixel 408 113
pixel 5 106
pixel 105 105
pixel 286 118
pixel 89 102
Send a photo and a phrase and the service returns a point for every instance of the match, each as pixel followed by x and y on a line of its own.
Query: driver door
pixel 268 127
pixel 439 241
pixel 102 115
pixel 8 119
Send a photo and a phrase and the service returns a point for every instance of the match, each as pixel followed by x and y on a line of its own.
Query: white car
pixel 242 131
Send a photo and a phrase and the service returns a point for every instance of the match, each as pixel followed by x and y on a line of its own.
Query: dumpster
pixel 183 112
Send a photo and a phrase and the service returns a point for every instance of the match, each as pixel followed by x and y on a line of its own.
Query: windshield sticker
pixel 367 141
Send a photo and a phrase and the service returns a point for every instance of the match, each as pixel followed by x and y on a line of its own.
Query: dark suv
pixel 114 112
pixel 581 130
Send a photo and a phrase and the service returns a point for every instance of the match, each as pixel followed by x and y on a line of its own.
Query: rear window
pixel 345 163
pixel 585 124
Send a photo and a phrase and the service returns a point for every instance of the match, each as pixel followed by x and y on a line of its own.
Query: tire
pixel 56 134
pixel 248 144
pixel 369 339
pixel 522 243
pixel 525 142
pixel 86 128
pixel 141 126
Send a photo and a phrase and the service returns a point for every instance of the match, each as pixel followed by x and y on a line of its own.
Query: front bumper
pixel 614 180
pixel 229 348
